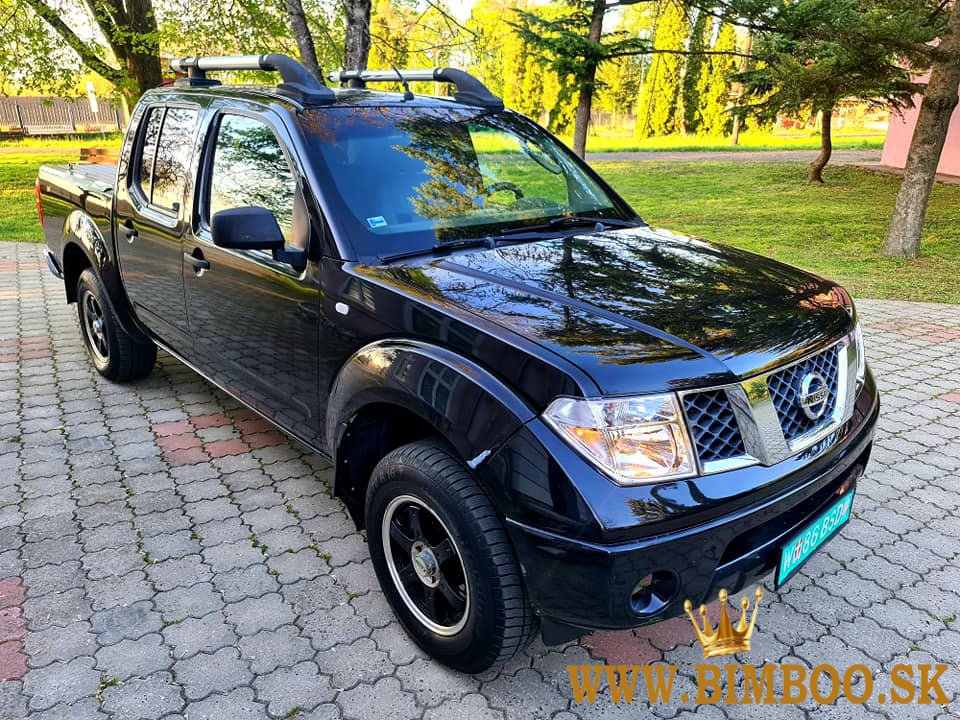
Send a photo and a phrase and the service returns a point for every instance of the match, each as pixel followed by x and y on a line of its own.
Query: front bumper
pixel 578 585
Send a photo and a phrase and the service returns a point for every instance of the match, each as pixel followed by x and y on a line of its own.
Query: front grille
pixel 713 425
pixel 784 387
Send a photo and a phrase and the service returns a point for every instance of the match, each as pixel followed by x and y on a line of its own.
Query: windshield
pixel 409 178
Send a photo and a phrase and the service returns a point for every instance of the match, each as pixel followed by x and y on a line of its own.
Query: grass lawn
pixel 835 230
pixel 748 141
pixel 19 161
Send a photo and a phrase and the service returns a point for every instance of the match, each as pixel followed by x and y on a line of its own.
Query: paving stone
pixel 293 566
pixel 358 662
pixel 57 608
pixel 206 634
pixel 202 674
pixel 125 622
pixel 300 686
pixel 85 709
pixel 232 556
pixel 61 682
pixel 112 562
pixel 320 593
pixel 250 582
pixel 385 700
pixel 180 572
pixel 130 658
pixel 328 628
pixel 194 601
pixel 471 707
pixel 270 649
pixel 252 615
pixel 238 704
pixel 60 643
pixel 433 684
pixel 108 536
pixel 149 698
pixel 112 591
pixel 44 579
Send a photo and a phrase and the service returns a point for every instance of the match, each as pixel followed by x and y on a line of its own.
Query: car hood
pixel 639 309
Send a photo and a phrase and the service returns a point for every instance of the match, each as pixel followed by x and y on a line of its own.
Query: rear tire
pixel 115 353
pixel 451 576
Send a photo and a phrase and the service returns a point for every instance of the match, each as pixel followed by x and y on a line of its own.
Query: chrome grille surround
pixel 768 437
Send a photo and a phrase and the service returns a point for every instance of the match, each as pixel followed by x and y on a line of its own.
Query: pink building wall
pixel 900 133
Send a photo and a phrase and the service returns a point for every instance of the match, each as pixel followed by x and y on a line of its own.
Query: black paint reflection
pixel 636 308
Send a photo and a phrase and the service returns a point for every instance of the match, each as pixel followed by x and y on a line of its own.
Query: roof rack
pixel 469 90
pixel 298 82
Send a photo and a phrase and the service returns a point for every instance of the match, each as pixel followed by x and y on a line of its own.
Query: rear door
pixel 255 321
pixel 149 222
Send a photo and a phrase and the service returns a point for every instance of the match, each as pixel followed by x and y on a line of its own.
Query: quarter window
pixel 173 157
pixel 249 168
pixel 149 145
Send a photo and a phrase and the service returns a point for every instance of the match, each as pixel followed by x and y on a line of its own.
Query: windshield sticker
pixel 376 222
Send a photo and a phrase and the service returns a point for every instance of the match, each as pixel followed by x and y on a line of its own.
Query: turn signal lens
pixel 633 440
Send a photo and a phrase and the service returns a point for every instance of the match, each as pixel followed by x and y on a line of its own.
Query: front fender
pixel 471 408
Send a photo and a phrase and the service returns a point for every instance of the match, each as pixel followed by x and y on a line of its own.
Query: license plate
pixel 799 548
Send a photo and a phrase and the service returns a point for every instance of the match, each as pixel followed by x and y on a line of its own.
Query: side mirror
pixel 246 228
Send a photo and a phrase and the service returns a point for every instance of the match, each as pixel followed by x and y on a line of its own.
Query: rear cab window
pixel 163 160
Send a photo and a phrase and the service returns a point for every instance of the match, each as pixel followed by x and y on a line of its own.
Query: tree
pixel 797 70
pixel 660 109
pixel 700 38
pixel 939 101
pixel 575 46
pixel 123 47
pixel 713 86
pixel 356 48
pixel 302 35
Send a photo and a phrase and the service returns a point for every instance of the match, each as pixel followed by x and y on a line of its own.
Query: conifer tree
pixel 660 108
pixel 697 62
pixel 713 86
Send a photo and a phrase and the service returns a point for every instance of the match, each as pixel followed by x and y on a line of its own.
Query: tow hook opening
pixel 653 592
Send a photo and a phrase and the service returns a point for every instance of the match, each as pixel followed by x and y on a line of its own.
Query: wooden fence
pixel 56 116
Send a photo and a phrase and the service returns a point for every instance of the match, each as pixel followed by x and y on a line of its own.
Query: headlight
pixel 634 440
pixel 861 355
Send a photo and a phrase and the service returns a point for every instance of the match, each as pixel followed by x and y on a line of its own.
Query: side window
pixel 249 168
pixel 153 120
pixel 173 157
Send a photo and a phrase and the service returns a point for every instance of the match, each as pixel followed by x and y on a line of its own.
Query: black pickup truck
pixel 546 414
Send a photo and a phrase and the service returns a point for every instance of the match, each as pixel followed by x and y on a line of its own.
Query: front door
pixel 149 222
pixel 254 320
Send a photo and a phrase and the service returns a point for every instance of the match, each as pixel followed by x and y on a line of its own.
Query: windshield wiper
pixel 571 221
pixel 443 247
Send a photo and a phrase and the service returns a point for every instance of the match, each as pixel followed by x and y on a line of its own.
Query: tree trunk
pixel 933 121
pixel 587 81
pixel 141 46
pixel 303 36
pixel 357 42
pixel 826 149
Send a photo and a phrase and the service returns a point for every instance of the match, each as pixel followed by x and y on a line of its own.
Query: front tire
pixel 115 353
pixel 444 560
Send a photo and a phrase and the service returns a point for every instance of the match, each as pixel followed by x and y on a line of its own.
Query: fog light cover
pixel 633 440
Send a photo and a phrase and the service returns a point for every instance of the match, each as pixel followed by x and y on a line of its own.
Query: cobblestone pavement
pixel 163 553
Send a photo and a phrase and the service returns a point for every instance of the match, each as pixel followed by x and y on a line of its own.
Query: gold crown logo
pixel 726 639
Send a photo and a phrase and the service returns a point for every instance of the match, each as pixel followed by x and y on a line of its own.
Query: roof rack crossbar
pixel 298 81
pixel 469 89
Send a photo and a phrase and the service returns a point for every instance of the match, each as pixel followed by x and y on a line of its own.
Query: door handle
pixel 199 264
pixel 129 230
